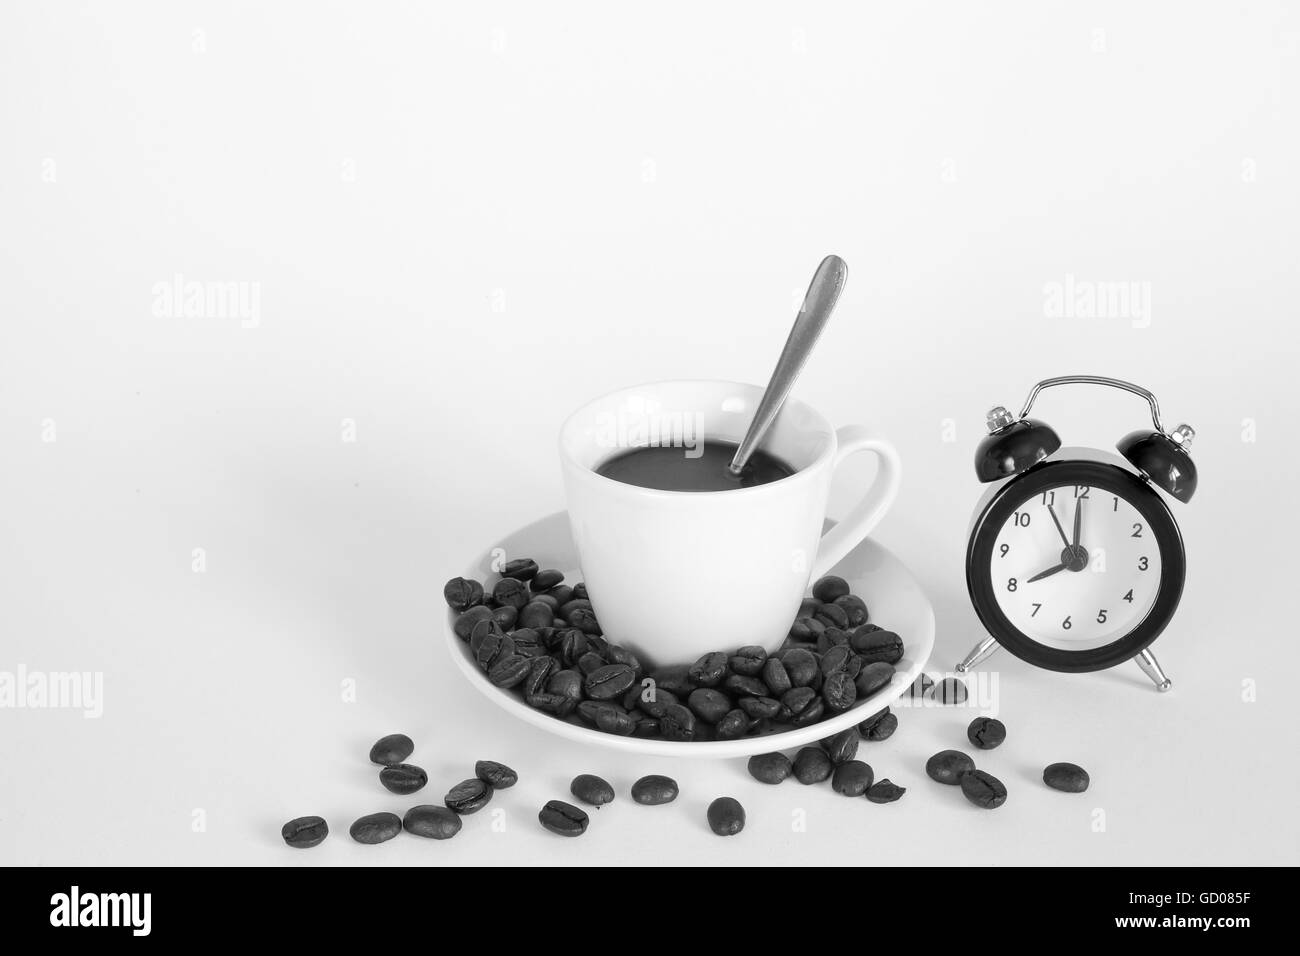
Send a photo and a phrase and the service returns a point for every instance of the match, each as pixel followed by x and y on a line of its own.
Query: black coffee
pixel 702 468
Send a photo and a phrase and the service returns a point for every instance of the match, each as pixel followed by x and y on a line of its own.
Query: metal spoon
pixel 818 303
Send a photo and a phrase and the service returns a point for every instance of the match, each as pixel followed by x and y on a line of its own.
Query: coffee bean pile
pixel 981 788
pixel 427 820
pixel 533 633
pixel 834 759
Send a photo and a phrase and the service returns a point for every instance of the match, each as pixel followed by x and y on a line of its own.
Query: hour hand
pixel 1046 574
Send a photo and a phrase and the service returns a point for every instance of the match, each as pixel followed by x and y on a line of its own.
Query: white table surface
pixel 463 224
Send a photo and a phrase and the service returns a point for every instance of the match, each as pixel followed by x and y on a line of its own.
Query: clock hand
pixel 1046 574
pixel 1059 530
pixel 1078 517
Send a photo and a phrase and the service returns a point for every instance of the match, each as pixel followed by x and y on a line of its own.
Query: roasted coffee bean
pixel 573 645
pixel 831 637
pixel 574 604
pixel 494 645
pixel 609 681
pixel 801 667
pixel 617 722
pixel 748 661
pixel 303 833
pixel 550 638
pixel 854 607
pixel 839 691
pixel 770 768
pixel 804 630
pixel 563 818
pixel 435 823
pixel 498 775
pixel 726 816
pixel 852 778
pixel 885 791
pixel 403 778
pixel 775 676
pixel 832 615
pixel 505 616
pixel 841 657
pixel 580 590
pixel 646 727
pixel 1066 777
pixel 521 569
pixel 392 749
pixel 584 619
pixel 986 733
pixel 873 677
pixel 561 595
pixel 760 708
pixel 546 579
pixel 536 614
pixel 879 726
pixel 589 663
pixel 621 655
pixel 510 591
pixel 567 684
pixel 461 594
pixel 947 766
pixel 376 827
pixel 677 723
pixel 796 700
pixel 709 670
pixel 841 747
pixel 922 688
pixel 829 588
pixel 590 710
pixel 654 790
pixel 539 671
pixel 811 765
pixel 510 671
pixel 877 645
pixel 950 690
pixel 468 796
pixel 653 700
pixel 810 714
pixel 547 598
pixel 733 725
pixel 591 789
pixel 983 789
pixel 554 704
pixel 708 705
pixel 743 686
pixel 676 680
pixel 465 622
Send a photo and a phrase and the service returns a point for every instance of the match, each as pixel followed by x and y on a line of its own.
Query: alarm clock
pixel 1074 561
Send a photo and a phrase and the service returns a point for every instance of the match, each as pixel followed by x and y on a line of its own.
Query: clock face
pixel 1075 566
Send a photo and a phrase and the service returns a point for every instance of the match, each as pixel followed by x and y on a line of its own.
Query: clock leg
pixel 1151 667
pixel 979 652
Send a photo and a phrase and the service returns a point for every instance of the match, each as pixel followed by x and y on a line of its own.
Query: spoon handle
pixel 818 303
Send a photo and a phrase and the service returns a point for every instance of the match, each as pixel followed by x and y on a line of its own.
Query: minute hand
pixel 1078 520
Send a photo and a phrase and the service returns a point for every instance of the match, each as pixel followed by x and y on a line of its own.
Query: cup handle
pixel 857 524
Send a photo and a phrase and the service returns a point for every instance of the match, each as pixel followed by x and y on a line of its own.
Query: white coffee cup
pixel 673 575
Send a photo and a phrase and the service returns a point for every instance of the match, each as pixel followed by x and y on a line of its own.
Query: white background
pixel 464 224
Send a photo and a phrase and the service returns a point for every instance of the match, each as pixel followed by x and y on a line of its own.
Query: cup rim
pixel 799 477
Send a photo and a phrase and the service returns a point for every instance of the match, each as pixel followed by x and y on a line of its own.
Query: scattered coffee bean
pixel 654 790
pixel 708 705
pixel 852 778
pixel 879 727
pixel 986 733
pixel 1066 777
pixel 403 778
pixel 885 791
pixel 947 766
pixel 770 768
pixel 392 749
pixel 497 775
pixel 436 823
pixel 726 816
pixel 305 832
pixel 811 765
pixel 950 690
pixel 461 594
pixel 376 828
pixel 841 747
pixel 829 588
pixel 521 569
pixel 563 818
pixel 468 796
pixel 983 789
pixel 592 789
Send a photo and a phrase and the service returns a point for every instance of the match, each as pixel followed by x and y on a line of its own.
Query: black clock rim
pixel 1173 564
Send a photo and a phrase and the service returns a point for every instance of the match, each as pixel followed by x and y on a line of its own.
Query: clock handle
pixel 1096 380
pixel 866 514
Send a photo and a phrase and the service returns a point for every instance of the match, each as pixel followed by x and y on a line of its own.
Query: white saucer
pixel 896 601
